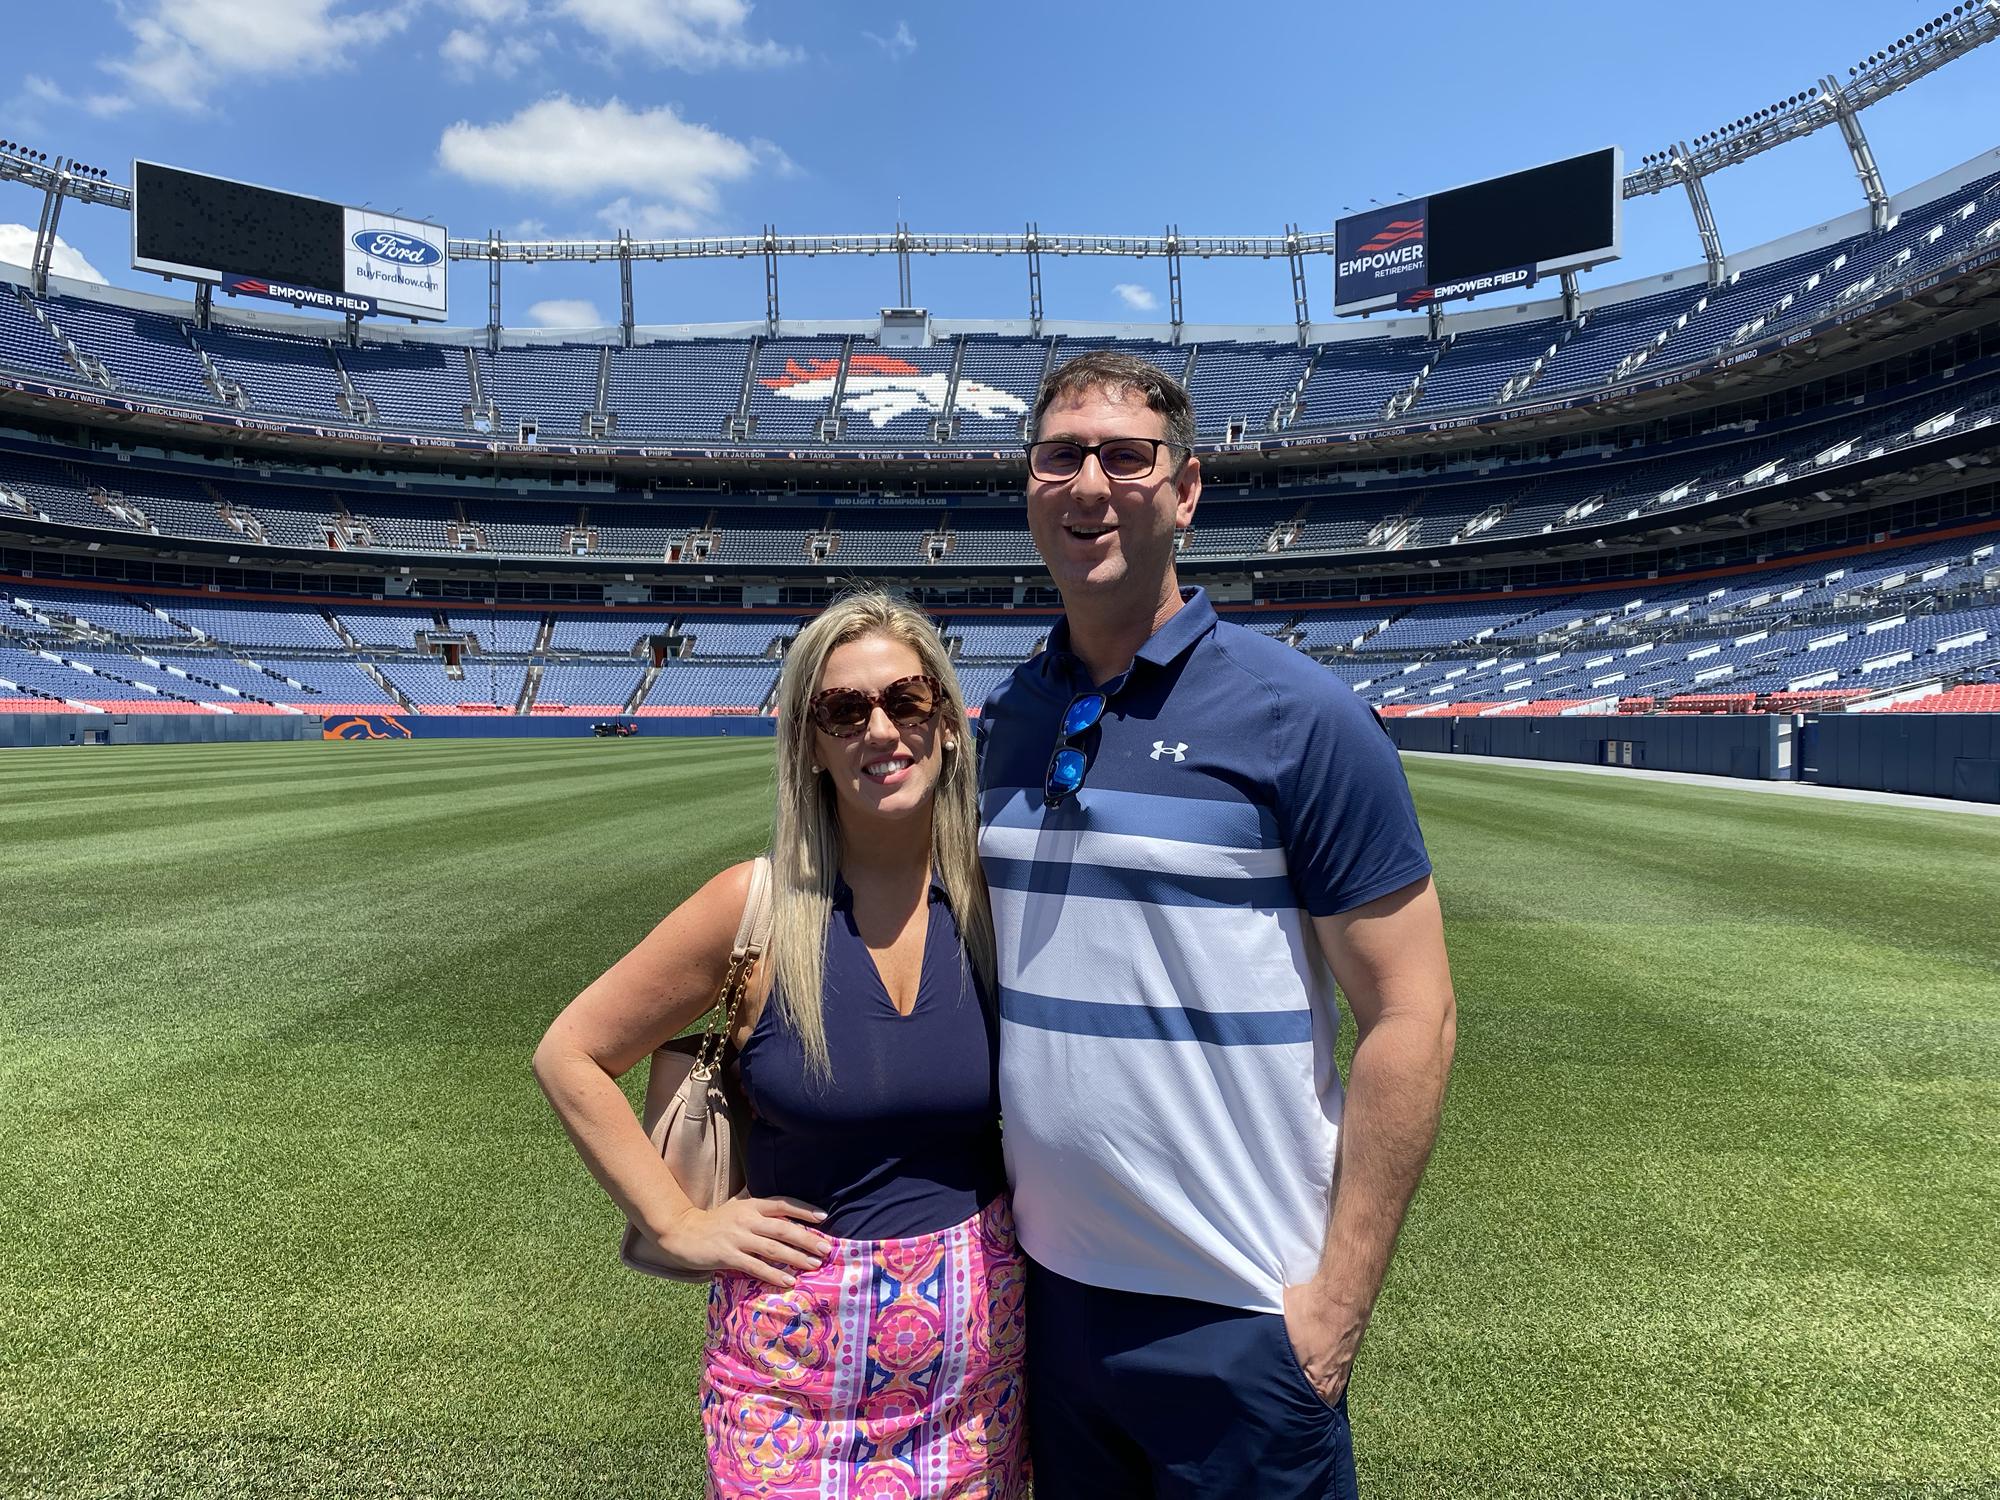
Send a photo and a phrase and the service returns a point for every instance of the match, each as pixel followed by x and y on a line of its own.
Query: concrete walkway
pixel 1729 783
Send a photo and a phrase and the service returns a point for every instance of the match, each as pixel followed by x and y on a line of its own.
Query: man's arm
pixel 1389 959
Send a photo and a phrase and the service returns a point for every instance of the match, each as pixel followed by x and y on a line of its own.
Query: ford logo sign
pixel 397 249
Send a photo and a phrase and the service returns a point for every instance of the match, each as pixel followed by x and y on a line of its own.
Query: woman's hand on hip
pixel 768 1238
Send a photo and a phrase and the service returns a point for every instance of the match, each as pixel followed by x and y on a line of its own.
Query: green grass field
pixel 1713 1212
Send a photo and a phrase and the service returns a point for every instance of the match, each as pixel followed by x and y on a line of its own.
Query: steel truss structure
pixel 1683 165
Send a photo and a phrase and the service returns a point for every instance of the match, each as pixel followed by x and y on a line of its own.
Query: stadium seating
pixel 1351 382
pixel 26 343
pixel 1583 488
pixel 1913 626
pixel 554 387
pixel 433 689
pixel 1011 367
pixel 278 373
pixel 791 390
pixel 981 639
pixel 896 396
pixel 686 391
pixel 681 687
pixel 317 685
pixel 113 613
pixel 503 632
pixel 1783 638
pixel 46 674
pixel 145 351
pixel 259 625
pixel 603 634
pixel 1967 698
pixel 386 627
pixel 1244 386
pixel 418 387
pixel 523 528
pixel 586 687
pixel 733 638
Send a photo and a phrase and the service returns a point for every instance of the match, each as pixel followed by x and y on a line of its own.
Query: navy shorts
pixel 1132 1395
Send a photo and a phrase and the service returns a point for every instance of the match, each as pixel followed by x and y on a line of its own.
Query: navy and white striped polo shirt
pixel 1168 1022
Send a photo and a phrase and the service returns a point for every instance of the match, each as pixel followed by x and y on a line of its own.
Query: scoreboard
pixel 305 251
pixel 1499 235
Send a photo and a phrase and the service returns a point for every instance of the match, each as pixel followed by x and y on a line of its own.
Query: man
pixel 1190 833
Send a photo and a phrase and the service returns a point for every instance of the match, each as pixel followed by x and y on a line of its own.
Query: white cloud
pixel 899 44
pixel 566 149
pixel 648 221
pixel 36 89
pixel 465 50
pixel 473 54
pixel 183 49
pixel 690 34
pixel 17 248
pixel 1136 297
pixel 24 111
pixel 493 12
pixel 566 312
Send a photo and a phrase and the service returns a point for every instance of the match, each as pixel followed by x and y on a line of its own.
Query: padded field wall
pixel 1753 746
pixel 1932 755
pixel 1925 755
pixel 151 729
pixel 19 730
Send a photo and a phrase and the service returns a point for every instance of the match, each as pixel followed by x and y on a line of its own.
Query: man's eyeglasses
pixel 1119 458
pixel 1067 763
pixel 908 701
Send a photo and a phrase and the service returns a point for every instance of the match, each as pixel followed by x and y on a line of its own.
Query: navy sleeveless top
pixel 905 1138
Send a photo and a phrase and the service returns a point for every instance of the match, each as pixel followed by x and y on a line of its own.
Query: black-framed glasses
pixel 1119 458
pixel 843 712
pixel 1067 762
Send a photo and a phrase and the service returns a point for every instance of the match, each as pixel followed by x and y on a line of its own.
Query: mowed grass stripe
pixel 1723 1117
pixel 1711 1213
pixel 331 1105
pixel 419 786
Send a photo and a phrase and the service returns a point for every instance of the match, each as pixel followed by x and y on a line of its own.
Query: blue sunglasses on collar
pixel 1067 763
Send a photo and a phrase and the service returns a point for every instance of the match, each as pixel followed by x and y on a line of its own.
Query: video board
pixel 285 247
pixel 1500 235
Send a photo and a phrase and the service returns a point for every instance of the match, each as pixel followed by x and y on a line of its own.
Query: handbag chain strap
pixel 752 935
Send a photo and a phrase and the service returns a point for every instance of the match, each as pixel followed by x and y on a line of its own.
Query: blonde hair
pixel 805 840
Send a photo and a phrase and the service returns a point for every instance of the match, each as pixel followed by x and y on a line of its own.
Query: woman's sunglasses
pixel 908 701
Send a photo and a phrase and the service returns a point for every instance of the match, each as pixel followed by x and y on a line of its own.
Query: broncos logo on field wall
pixel 390 728
pixel 881 388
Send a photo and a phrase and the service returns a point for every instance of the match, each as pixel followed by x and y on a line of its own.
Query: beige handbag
pixel 694 1115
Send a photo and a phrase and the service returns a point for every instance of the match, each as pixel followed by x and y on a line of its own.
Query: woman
pixel 865 1317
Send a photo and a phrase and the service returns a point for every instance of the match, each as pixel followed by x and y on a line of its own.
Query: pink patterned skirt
pixel 892 1372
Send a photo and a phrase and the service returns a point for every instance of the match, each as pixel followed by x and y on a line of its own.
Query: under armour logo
pixel 1178 752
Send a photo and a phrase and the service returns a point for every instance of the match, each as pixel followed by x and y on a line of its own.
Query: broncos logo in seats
pixel 881 388
pixel 383 727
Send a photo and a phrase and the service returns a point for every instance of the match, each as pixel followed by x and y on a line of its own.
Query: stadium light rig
pixel 1683 165
pixel 1878 75
pixel 63 178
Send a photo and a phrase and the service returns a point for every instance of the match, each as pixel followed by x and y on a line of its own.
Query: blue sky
pixel 555 117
